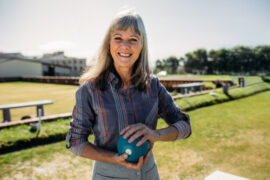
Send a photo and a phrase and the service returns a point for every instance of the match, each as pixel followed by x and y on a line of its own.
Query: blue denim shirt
pixel 106 113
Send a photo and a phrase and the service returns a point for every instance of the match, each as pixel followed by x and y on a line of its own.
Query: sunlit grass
pixel 233 137
pixel 63 97
pixel 249 79
pixel 15 136
pixel 207 99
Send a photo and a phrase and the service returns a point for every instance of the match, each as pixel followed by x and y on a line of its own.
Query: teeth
pixel 125 55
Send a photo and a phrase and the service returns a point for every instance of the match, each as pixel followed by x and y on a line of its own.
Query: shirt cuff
pixel 183 129
pixel 77 150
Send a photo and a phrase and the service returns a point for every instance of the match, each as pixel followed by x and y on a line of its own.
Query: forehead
pixel 127 32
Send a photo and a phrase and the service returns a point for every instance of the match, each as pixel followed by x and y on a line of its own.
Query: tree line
pixel 238 60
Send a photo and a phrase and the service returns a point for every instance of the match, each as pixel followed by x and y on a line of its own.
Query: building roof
pixel 32 60
pixel 20 59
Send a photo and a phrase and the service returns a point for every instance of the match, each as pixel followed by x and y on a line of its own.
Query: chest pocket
pixel 148 109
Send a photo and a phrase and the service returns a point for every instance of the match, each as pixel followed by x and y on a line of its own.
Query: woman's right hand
pixel 121 160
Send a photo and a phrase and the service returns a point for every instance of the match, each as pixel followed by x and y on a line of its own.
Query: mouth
pixel 125 55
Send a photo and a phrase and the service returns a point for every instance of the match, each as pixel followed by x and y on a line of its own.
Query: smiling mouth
pixel 125 55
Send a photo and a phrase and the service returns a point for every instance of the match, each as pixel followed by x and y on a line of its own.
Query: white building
pixel 19 67
pixel 77 65
pixel 16 66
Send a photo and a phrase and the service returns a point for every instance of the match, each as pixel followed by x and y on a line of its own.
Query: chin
pixel 126 63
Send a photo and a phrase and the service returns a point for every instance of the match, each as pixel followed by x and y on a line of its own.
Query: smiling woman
pixel 125 48
pixel 126 35
pixel 118 96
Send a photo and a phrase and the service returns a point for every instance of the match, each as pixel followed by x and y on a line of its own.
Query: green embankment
pixel 233 137
pixel 20 137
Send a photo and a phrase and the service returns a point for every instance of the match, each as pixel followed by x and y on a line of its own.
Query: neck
pixel 125 75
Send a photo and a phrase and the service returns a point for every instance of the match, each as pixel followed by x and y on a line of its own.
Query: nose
pixel 125 44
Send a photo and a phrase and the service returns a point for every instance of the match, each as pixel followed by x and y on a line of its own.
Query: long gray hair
pixel 103 62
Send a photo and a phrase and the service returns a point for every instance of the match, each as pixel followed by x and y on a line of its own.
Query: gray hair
pixel 103 62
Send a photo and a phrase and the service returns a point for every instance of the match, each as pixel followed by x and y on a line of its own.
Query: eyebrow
pixel 133 35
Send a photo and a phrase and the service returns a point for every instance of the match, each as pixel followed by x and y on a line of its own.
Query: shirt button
pixel 138 173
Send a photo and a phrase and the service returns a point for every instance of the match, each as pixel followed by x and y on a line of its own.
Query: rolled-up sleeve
pixel 81 123
pixel 172 114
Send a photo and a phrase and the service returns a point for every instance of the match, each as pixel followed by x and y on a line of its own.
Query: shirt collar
pixel 113 80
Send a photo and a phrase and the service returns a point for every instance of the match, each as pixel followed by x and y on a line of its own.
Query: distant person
pixel 118 95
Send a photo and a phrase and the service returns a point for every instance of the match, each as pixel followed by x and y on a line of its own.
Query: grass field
pixel 249 79
pixel 233 137
pixel 19 137
pixel 63 96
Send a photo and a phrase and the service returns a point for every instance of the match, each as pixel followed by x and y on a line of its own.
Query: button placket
pixel 128 105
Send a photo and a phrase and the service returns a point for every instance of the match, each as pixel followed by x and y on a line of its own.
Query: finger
pixel 140 162
pixel 124 130
pixel 129 165
pixel 132 130
pixel 122 158
pixel 148 153
pixel 145 138
pixel 147 156
pixel 151 145
pixel 137 165
pixel 137 134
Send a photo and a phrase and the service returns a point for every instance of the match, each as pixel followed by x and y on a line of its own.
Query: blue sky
pixel 174 27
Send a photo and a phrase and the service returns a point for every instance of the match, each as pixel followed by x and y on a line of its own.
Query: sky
pixel 174 27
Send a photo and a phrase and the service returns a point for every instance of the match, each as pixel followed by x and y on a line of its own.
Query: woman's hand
pixel 121 159
pixel 138 130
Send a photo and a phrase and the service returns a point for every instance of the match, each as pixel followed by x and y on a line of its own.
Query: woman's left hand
pixel 137 130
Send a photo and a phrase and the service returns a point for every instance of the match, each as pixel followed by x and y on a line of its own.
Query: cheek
pixel 113 48
pixel 138 50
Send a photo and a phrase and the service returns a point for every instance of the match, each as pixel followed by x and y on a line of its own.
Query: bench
pixel 6 108
pixel 36 119
pixel 189 87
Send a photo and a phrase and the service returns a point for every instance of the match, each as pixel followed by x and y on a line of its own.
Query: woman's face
pixel 125 48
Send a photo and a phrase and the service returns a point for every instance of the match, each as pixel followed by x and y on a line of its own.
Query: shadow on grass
pixel 218 101
pixel 25 144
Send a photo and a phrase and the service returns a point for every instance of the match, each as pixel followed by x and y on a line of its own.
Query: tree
pixel 172 64
pixel 240 59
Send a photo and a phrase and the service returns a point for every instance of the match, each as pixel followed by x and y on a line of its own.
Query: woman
pixel 119 96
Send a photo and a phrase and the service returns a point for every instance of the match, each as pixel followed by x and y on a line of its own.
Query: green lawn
pixel 20 137
pixel 207 99
pixel 249 79
pixel 63 97
pixel 233 137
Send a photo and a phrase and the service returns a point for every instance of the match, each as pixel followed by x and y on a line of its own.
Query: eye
pixel 133 40
pixel 117 38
